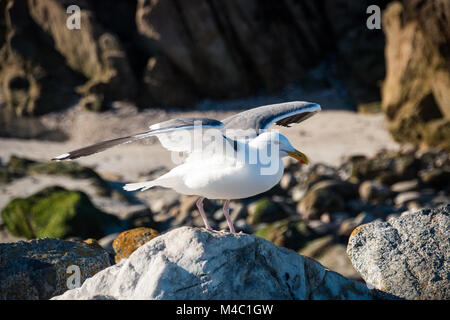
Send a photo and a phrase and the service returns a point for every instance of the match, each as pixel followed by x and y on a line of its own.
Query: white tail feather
pixel 139 185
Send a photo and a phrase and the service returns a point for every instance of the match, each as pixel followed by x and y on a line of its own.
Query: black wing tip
pixel 312 109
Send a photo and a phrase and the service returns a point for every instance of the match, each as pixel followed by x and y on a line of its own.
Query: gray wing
pixel 259 119
pixel 156 129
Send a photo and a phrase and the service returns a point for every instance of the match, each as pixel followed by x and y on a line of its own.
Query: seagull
pixel 236 158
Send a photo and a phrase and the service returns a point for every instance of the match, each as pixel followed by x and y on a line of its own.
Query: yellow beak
pixel 299 156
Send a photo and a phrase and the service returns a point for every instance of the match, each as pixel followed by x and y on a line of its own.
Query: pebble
pixel 287 181
pixel 405 197
pixel 107 241
pixel 404 186
pixel 374 191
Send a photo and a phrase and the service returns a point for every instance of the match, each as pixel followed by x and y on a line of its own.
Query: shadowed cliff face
pixel 174 53
pixel 416 91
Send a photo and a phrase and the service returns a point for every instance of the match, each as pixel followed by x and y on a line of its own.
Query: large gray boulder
pixel 192 263
pixel 43 268
pixel 407 256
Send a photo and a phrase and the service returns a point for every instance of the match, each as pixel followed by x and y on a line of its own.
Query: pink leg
pixel 226 212
pixel 202 213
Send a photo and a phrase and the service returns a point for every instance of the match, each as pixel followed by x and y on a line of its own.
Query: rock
pixel 93 102
pixel 404 186
pixel 44 65
pixel 315 247
pixel 338 217
pixel 93 243
pixel 91 50
pixel 188 204
pixel 331 255
pixel 73 170
pixel 433 156
pixel 386 168
pixel 58 213
pixel 291 233
pixel 218 215
pixel 348 225
pixel 13 126
pixel 392 216
pixel 416 90
pixel 318 174
pixel 320 227
pixel 39 269
pixel 407 148
pixel 192 263
pixel 335 258
pixel 438 178
pixel 325 217
pixel 298 193
pixel 360 53
pixel 373 191
pixel 22 166
pixel 6 176
pixel 166 85
pixel 407 256
pixel 186 213
pixel 34 77
pixel 440 200
pixel 140 218
pixel 405 197
pixel 225 50
pixel 369 108
pixel 128 241
pixel 264 210
pixel 287 181
pixel 326 196
pixel 163 204
pixel 238 211
pixel 107 242
pixel 242 225
pixel 356 205
pixel 347 190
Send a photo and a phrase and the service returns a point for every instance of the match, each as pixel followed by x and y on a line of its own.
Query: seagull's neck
pixel 257 150
pixel 258 142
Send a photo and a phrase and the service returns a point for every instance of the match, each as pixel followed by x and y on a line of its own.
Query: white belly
pixel 224 181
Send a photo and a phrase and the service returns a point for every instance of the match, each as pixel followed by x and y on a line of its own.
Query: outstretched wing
pixel 257 120
pixel 162 130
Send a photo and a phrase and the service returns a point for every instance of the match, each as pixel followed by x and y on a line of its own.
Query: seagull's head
pixel 277 141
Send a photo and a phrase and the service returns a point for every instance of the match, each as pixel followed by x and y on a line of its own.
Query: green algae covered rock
pixel 292 233
pixel 55 212
pixel 264 210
